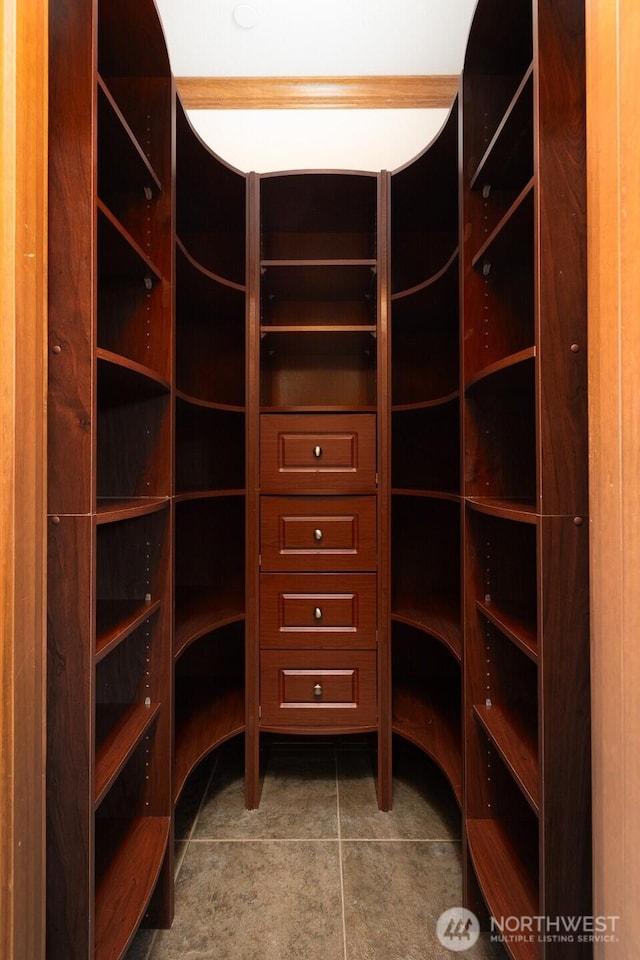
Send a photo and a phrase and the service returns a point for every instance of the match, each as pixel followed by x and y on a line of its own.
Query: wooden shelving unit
pixel 109 833
pixel 210 482
pixel 426 624
pixel 526 643
pixel 317 462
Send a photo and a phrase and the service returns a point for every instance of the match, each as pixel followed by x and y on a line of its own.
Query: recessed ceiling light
pixel 245 15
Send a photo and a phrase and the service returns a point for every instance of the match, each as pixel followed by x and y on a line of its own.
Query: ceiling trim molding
pixel 286 93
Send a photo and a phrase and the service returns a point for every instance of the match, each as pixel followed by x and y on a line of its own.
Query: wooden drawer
pixel 331 690
pixel 319 453
pixel 318 533
pixel 319 611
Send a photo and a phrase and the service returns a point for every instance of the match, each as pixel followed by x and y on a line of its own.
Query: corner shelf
pixel 117 618
pixel 201 610
pixel 129 858
pixel 125 725
pixel 515 746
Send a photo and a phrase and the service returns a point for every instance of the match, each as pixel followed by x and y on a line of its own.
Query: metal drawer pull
pixel 317 614
pixel 317 690
pixel 317 452
pixel 317 535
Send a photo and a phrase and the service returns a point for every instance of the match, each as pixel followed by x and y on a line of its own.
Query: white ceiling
pixel 316 38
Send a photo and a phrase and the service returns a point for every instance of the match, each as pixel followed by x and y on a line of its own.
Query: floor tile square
pixel 256 901
pixel 424 807
pixel 299 798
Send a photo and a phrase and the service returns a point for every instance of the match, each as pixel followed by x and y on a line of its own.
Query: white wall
pixel 267 140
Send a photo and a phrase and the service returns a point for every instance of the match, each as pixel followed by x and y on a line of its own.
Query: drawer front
pixel 322 453
pixel 318 534
pixel 319 611
pixel 332 690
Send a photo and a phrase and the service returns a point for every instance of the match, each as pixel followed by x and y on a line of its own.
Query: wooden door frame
pixel 613 101
pixel 23 291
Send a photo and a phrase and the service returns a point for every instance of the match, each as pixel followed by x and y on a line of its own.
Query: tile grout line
pixel 344 919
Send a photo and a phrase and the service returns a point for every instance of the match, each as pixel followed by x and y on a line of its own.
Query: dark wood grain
pixel 347 459
pixel 347 534
pixel 318 611
pixel 347 680
pixel 120 729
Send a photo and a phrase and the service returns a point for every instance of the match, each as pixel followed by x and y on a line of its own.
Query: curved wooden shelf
pixel 506 886
pixel 427 494
pixel 127 725
pixel 201 610
pixel 209 274
pixel 498 156
pixel 129 864
pixel 121 255
pixel 206 717
pixel 185 397
pixel 506 363
pixel 516 746
pixel 320 408
pixel 327 262
pixel 517 211
pixel 111 510
pixel 427 404
pixel 430 281
pixel 129 376
pixel 317 328
pixel 436 617
pixel 520 632
pixel 114 127
pixel 523 511
pixel 425 718
pixel 184 495
pixel 117 619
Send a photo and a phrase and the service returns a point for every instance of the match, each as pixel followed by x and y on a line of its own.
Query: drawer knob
pixel 317 535
pixel 317 690
pixel 317 614
pixel 317 452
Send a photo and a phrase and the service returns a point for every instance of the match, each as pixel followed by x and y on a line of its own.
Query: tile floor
pixel 317 872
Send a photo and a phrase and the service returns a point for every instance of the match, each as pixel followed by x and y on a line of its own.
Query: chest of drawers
pixel 318 561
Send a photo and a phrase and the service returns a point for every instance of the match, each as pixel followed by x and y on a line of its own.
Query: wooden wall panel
pixel 613 76
pixel 23 209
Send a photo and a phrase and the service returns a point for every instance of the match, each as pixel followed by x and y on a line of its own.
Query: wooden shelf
pixel 185 495
pixel 202 610
pixel 208 404
pixel 111 510
pixel 116 619
pixel 126 725
pixel 427 404
pixel 521 633
pixel 424 717
pixel 517 223
pixel 132 168
pixel 515 746
pixel 431 281
pixel 119 254
pixel 506 363
pixel 206 717
pixel 205 272
pixel 506 886
pixel 126 378
pixel 518 510
pixel 427 494
pixel 511 147
pixel 133 852
pixel 435 616
pixel 317 328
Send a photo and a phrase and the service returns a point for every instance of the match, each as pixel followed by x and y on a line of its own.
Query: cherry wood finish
pixel 425 557
pixel 318 454
pixel 318 690
pixel 111 422
pixel 526 642
pixel 318 612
